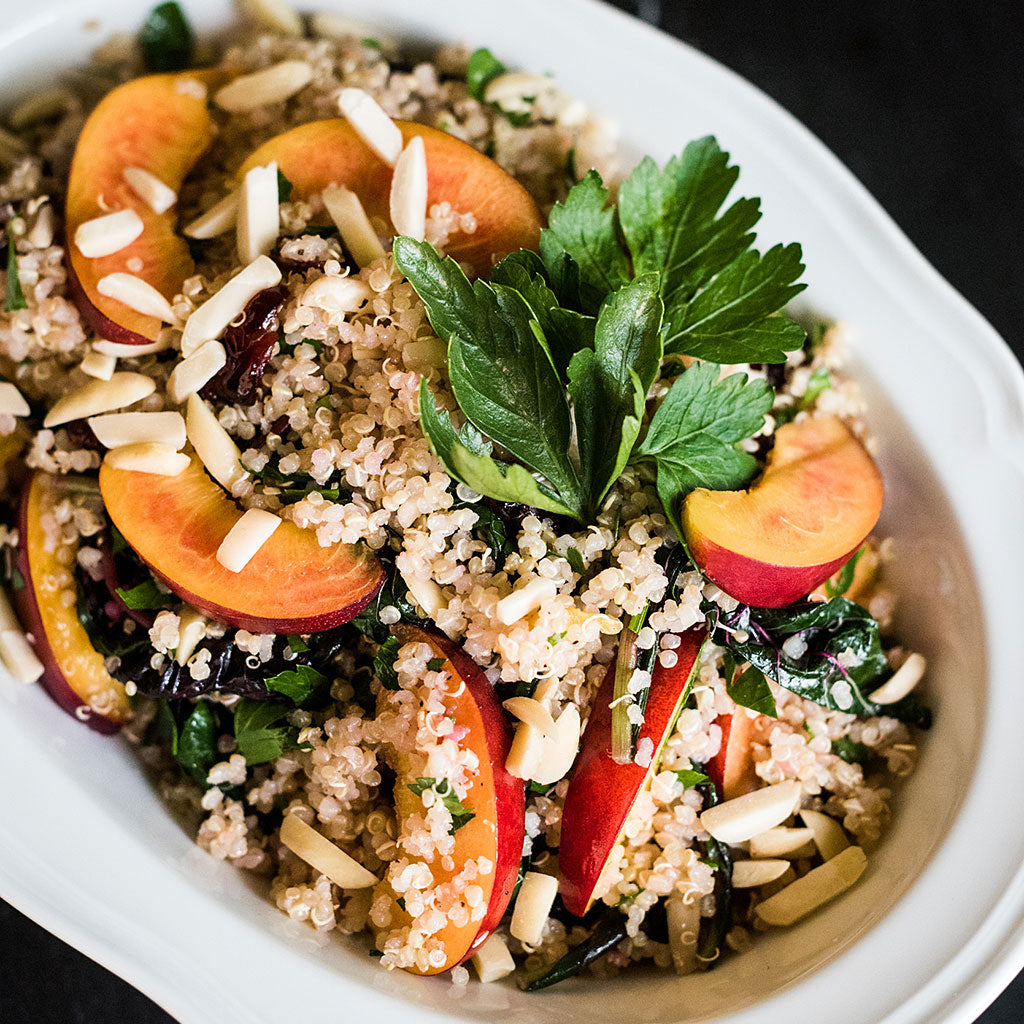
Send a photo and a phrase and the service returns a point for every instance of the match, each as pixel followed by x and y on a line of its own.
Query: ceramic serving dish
pixel 936 926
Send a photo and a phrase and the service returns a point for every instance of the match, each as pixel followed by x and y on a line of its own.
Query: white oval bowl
pixel 936 927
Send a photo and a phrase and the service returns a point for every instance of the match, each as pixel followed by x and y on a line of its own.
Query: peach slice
pixel 74 673
pixel 602 791
pixel 322 153
pixel 160 124
pixel 291 585
pixel 496 798
pixel 818 498
pixel 732 768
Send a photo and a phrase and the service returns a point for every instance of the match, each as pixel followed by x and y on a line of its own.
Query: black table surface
pixel 924 101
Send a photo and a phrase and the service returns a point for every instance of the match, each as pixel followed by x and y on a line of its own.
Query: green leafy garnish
pixel 845 578
pixel 297 644
pixel 196 747
pixel 690 778
pixel 482 68
pixel 284 188
pixel 436 664
pixel 575 560
pixel 166 39
pixel 460 815
pixel 849 750
pixel 146 596
pixel 14 297
pixel 298 684
pixel 751 690
pixel 693 436
pixel 384 663
pixel 818 383
pixel 261 734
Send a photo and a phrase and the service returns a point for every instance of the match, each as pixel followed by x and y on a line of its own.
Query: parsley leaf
pixel 166 39
pixel 436 664
pixel 609 383
pixel 751 690
pixel 690 778
pixel 584 227
pixel 460 815
pixel 260 733
pixel 298 684
pixel 196 748
pixel 146 596
pixel 14 297
pixel 693 435
pixel 284 188
pixel 384 663
pixel 297 644
pixel 849 750
pixel 845 578
pixel 483 67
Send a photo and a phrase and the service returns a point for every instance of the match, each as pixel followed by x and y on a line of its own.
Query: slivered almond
pixel 218 219
pixel 782 842
pixel 749 874
pixel 533 904
pixel 514 92
pixel 526 599
pixel 683 920
pixel 99 365
pixel 15 651
pixel 12 401
pixel 191 627
pixel 120 428
pixel 198 369
pixel 246 537
pixel 526 709
pixel 275 84
pixel 738 820
pixel 534 756
pixel 123 389
pixel 158 196
pixel 109 233
pixel 492 960
pixel 426 593
pixel 336 294
pixel 333 25
pixel 371 124
pixel 322 855
pixel 813 890
pixel 213 444
pixel 119 350
pixel 829 836
pixel 258 220
pixel 274 14
pixel 408 202
pixel 353 225
pixel 40 235
pixel 901 682
pixel 213 316
pixel 136 294
pixel 148 457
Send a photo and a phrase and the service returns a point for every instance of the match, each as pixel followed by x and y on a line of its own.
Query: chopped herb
pixel 690 778
pixel 384 663
pixel 555 637
pixel 196 748
pixel 166 39
pixel 284 188
pixel 297 684
pixel 845 578
pixel 575 560
pixel 146 596
pixel 401 902
pixel 297 644
pixel 460 815
pixel 751 690
pixel 14 298
pixel 609 931
pixel 436 664
pixel 261 733
pixel 849 750
pixel 482 69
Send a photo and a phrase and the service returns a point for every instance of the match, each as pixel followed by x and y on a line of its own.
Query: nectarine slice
pixel 495 798
pixel 74 671
pixel 732 768
pixel 322 153
pixel 818 498
pixel 160 124
pixel 602 791
pixel 292 584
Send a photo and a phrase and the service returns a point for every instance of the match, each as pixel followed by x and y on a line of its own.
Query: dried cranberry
pixel 286 263
pixel 249 346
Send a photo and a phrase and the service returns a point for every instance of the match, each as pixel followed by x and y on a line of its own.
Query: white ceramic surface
pixel 935 928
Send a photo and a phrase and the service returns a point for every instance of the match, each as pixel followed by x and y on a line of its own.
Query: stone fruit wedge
pixel 732 768
pixel 292 585
pixel 601 790
pixel 818 498
pixel 497 800
pixel 160 124
pixel 323 153
pixel 74 673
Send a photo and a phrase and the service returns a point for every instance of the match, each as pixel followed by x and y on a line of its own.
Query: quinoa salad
pixel 464 528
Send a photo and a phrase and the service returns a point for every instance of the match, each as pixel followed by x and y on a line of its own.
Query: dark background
pixel 924 101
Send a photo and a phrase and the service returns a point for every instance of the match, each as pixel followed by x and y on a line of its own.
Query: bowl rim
pixel 993 953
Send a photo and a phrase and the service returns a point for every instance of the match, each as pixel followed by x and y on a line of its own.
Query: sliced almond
pixel 198 369
pixel 829 836
pixel 12 401
pixel 136 294
pixel 19 657
pixel 212 317
pixel 213 444
pixel 515 92
pixel 148 457
pixel 218 219
pixel 814 889
pixel 492 960
pixel 738 820
pixel 525 600
pixel 336 294
pixel 262 88
pixel 323 856
pixel 408 202
pixel 259 221
pixel 527 709
pixel 683 920
pixel 113 430
pixel 40 235
pixel 749 874
pixel 191 629
pixel 99 365
pixel 109 233
pixel 371 124
pixel 246 537
pixel 119 350
pixel 902 681
pixel 782 842
pixel 123 389
pixel 536 757
pixel 353 225
pixel 533 904
pixel 426 593
pixel 275 15
pixel 158 196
